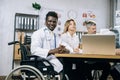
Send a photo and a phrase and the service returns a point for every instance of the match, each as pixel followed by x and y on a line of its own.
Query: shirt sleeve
pixel 65 44
pixel 37 45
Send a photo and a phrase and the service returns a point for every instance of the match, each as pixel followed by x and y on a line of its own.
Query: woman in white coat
pixel 69 36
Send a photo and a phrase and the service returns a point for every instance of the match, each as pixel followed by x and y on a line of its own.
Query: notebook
pixel 98 44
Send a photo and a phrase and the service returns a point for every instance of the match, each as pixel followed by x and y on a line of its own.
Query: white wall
pixel 118 4
pixel 8 8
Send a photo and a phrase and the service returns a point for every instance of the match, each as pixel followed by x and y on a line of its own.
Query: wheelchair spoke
pixel 25 73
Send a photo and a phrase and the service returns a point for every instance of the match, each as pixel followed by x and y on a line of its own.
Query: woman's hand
pixel 117 51
pixel 76 50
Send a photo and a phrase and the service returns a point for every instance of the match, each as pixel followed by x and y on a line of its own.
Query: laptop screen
pixel 98 44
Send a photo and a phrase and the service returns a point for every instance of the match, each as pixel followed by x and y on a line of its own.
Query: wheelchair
pixel 33 67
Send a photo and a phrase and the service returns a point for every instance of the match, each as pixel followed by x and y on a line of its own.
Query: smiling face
pixel 51 22
pixel 72 27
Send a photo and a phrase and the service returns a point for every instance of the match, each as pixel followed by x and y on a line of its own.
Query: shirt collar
pixel 46 29
pixel 70 35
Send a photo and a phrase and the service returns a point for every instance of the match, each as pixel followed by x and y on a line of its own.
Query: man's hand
pixel 62 49
pixel 53 51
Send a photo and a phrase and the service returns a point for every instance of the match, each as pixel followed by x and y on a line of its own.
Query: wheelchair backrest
pixel 25 52
pixel 25 48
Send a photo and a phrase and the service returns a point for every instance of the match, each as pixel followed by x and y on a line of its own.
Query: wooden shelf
pixel 17 54
pixel 24 25
pixel 25 30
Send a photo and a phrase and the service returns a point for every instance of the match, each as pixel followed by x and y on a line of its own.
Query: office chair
pixel 96 74
pixel 116 37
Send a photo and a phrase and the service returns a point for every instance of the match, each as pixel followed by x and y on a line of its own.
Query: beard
pixel 51 28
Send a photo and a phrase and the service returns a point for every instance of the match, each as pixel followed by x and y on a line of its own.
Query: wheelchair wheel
pixel 25 72
pixel 66 77
pixel 62 76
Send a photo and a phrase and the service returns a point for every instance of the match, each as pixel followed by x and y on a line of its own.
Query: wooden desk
pixel 111 58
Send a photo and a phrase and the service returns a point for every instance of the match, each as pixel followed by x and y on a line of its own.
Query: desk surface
pixel 88 56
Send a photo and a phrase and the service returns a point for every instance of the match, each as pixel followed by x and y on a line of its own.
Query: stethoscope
pixel 48 37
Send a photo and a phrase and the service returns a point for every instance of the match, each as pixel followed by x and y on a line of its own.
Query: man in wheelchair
pixel 45 43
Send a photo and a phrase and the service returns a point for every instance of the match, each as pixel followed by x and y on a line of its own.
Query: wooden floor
pixel 2 77
pixel 109 77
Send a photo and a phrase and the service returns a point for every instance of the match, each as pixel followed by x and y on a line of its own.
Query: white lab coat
pixel 41 44
pixel 72 41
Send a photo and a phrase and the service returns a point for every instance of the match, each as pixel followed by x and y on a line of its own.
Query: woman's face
pixel 72 27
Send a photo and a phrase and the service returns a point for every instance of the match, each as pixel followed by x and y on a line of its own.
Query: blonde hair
pixel 67 24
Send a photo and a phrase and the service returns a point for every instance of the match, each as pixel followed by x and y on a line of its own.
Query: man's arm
pixel 60 49
pixel 37 45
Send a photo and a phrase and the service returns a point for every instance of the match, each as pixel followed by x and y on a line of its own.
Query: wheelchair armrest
pixel 32 57
pixel 38 58
pixel 40 63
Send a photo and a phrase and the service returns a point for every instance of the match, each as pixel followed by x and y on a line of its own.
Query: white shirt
pixel 41 42
pixel 72 41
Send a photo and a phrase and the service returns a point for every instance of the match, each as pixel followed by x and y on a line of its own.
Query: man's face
pixel 51 22
pixel 92 30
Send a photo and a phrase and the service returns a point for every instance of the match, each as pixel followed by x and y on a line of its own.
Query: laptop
pixel 98 44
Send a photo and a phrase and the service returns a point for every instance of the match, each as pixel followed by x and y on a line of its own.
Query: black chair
pixel 117 37
pixel 43 65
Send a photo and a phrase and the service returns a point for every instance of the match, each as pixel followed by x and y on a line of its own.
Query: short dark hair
pixel 51 13
pixel 90 23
